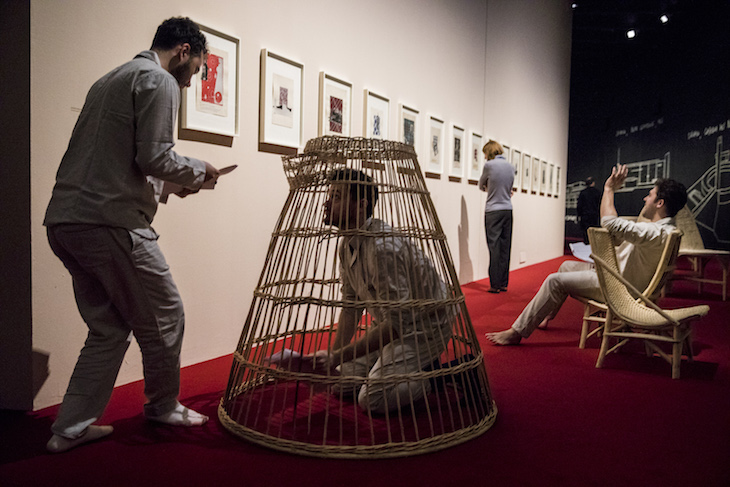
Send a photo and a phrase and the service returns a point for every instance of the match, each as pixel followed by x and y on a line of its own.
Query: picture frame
pixel 457 153
pixel 435 146
pixel 335 106
pixel 551 180
pixel 280 104
pixel 509 154
pixel 556 192
pixel 376 116
pixel 408 125
pixel 526 164
pixel 543 177
pixel 475 157
pixel 535 187
pixel 210 103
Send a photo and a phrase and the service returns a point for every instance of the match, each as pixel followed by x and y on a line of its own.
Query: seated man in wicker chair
pixel 388 275
pixel 638 255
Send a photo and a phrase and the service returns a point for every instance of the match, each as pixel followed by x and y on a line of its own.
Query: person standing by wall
pixel 497 179
pixel 98 223
pixel 589 202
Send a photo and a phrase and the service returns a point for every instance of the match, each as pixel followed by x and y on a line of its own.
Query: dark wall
pixel 659 102
pixel 16 384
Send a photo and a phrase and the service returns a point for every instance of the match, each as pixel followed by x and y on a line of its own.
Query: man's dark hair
pixel 673 193
pixel 359 182
pixel 589 180
pixel 180 30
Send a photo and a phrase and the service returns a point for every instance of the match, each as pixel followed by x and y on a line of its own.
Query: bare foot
pixel 506 337
pixel 59 444
pixel 180 416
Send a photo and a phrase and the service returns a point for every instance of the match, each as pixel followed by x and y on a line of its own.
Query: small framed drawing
pixel 509 154
pixel 551 180
pixel 475 158
pixel 543 177
pixel 210 103
pixel 457 154
pixel 335 106
pixel 526 165
pixel 535 175
pixel 407 125
pixel 377 114
pixel 280 104
pixel 435 147
pixel 556 192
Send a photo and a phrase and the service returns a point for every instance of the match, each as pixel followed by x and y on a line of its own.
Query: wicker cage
pixel 430 387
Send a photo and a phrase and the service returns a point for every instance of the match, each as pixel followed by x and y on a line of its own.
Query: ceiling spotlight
pixel 664 18
pixel 631 33
pixel 574 6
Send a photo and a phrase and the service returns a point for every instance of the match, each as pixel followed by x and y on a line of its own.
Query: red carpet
pixel 561 421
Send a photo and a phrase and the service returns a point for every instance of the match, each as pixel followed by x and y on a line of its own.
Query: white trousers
pixel 574 278
pixel 123 287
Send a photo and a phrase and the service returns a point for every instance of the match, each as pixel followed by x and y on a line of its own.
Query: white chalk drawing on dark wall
pixel 708 198
pixel 643 174
pixel 713 185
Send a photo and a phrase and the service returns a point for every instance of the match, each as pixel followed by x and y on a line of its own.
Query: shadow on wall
pixel 466 268
pixel 40 370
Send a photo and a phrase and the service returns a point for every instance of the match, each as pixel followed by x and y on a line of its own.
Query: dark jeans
pixel 498 226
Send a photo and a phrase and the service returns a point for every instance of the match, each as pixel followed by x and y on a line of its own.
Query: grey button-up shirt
pixel 392 278
pixel 123 135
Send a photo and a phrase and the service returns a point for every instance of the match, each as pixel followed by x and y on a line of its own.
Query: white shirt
pixel 641 246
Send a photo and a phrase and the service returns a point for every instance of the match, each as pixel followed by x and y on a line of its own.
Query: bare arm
pixel 613 184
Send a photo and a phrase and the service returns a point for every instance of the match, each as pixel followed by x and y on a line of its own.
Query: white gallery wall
pixel 498 68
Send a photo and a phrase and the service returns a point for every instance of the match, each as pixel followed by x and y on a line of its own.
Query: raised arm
pixel 613 184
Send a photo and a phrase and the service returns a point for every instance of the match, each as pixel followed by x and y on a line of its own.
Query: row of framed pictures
pixel 533 175
pixel 210 105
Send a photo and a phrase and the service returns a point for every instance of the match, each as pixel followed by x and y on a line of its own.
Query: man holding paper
pixel 98 223
pixel 638 255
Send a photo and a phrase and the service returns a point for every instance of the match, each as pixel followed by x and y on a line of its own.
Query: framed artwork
pixel 535 175
pixel 543 177
pixel 210 103
pixel 556 193
pixel 407 125
pixel 526 167
pixel 435 143
pixel 457 152
pixel 335 106
pixel 475 157
pixel 280 103
pixel 515 160
pixel 551 180
pixel 376 113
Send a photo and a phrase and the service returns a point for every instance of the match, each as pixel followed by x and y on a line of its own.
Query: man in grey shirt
pixel 98 221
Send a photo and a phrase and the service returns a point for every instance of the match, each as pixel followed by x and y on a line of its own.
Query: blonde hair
pixel 492 149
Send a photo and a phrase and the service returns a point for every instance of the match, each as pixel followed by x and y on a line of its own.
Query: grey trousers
pixel 498 227
pixel 123 288
pixel 574 278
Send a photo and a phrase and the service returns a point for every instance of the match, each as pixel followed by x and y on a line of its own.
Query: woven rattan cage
pixel 291 405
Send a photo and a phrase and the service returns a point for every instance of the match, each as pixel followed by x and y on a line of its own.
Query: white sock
pixel 180 416
pixel 59 444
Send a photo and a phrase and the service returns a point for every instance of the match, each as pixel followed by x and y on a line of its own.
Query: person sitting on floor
pixel 638 255
pixel 379 268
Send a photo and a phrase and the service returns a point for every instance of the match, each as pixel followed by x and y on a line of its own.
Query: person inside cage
pixel 388 275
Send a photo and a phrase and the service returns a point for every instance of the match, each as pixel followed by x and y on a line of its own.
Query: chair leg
pixel 605 339
pixel 677 352
pixel 586 324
